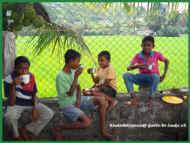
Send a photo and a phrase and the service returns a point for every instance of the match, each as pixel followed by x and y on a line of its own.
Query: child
pixel 21 89
pixel 147 63
pixel 105 79
pixel 72 103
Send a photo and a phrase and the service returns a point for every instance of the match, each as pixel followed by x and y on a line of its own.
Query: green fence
pixel 115 27
pixel 122 49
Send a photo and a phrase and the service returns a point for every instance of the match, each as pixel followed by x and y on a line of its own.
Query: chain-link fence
pixel 121 37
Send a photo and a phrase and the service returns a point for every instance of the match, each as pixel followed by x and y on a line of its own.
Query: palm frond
pixel 58 39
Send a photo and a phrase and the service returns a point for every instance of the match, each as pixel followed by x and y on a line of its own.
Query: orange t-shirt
pixel 107 73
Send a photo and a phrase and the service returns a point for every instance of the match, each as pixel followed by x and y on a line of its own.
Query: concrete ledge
pixel 161 113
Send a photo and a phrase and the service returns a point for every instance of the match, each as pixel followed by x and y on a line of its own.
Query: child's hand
pixel 17 80
pixel 142 66
pixel 77 104
pixel 162 78
pixel 35 115
pixel 90 71
pixel 78 72
pixel 87 91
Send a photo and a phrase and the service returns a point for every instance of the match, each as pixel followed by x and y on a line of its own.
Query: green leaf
pixel 58 39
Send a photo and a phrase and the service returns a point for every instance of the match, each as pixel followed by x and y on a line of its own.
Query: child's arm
pixel 95 79
pixel 166 63
pixel 35 113
pixel 78 96
pixel 73 87
pixel 136 66
pixel 15 82
pixel 75 82
pixel 34 101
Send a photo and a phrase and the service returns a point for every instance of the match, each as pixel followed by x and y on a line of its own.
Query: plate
pixel 172 99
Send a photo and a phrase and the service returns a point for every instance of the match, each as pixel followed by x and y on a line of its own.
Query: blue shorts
pixel 73 113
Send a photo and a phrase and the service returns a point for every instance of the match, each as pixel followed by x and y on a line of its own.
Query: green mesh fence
pixel 122 49
pixel 115 27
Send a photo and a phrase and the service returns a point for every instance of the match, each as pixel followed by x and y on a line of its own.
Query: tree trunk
pixel 9 52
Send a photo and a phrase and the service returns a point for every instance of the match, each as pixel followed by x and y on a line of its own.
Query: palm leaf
pixel 58 39
pixel 50 36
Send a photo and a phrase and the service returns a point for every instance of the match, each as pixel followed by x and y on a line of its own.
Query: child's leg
pixel 12 116
pixel 111 102
pixel 102 104
pixel 83 122
pixel 46 114
pixel 154 81
pixel 139 79
pixel 129 81
pixel 79 121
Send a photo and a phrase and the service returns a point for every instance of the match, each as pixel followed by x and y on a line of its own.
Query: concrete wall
pixel 161 113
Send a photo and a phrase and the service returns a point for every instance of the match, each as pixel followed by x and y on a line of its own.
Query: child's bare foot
pixel 112 105
pixel 57 134
pixel 132 102
pixel 107 136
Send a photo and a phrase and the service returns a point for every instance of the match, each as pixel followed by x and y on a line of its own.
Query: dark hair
pixel 148 38
pixel 21 59
pixel 106 54
pixel 71 55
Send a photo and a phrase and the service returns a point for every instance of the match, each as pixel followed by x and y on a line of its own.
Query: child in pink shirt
pixel 146 62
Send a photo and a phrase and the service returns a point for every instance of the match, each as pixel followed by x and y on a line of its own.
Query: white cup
pixel 150 67
pixel 25 78
pixel 81 67
pixel 91 70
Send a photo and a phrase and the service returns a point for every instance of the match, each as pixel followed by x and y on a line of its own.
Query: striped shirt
pixel 24 92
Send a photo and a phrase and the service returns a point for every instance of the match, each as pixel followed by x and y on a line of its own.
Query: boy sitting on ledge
pixel 147 63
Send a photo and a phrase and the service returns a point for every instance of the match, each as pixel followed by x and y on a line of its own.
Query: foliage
pixel 154 22
pixel 48 34
pixel 169 31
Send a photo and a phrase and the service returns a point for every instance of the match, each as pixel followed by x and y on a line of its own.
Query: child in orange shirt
pixel 105 80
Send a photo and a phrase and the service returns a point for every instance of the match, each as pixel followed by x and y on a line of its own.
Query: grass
pixel 122 49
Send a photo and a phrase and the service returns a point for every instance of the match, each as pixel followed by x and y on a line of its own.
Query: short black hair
pixel 21 59
pixel 71 55
pixel 106 54
pixel 148 38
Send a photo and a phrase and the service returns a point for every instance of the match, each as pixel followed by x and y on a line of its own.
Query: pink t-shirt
pixel 152 62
